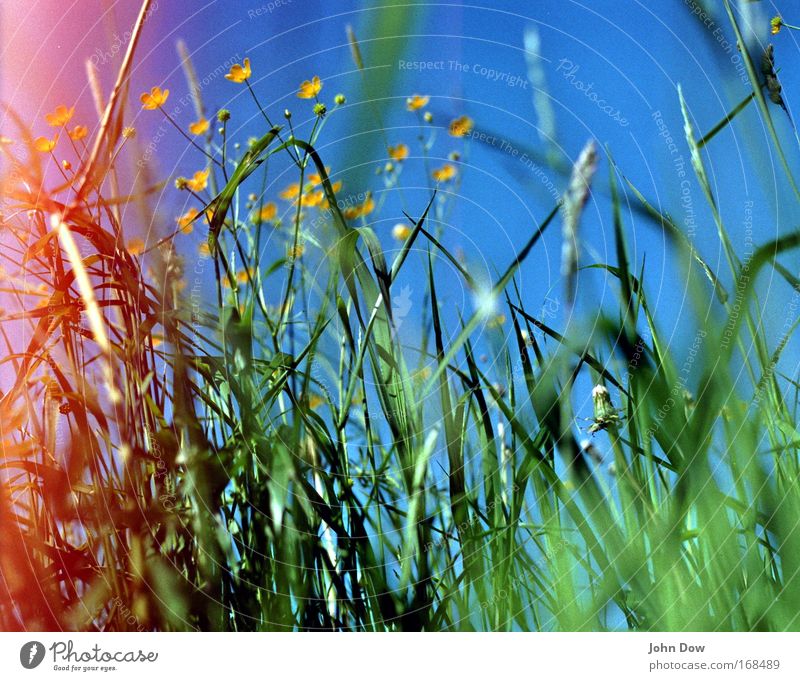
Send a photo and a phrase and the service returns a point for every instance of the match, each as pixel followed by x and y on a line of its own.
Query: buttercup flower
pixel 203 250
pixel 401 232
pixel 398 152
pixel 129 132
pixel 135 246
pixel 775 25
pixel 199 180
pixel 44 144
pixel 310 88
pixel 199 127
pixel 291 192
pixel 240 73
pixel 243 276
pixel 461 126
pixel 185 221
pixel 154 99
pixel 268 212
pixel 314 199
pixel 315 178
pixel 79 132
pixel 353 212
pixel 445 173
pixel 60 117
pixel 416 102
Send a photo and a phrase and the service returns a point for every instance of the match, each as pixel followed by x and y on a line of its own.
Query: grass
pixel 275 459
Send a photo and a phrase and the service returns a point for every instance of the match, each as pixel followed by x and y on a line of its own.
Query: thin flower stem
pixel 189 139
pixel 225 150
pixel 266 117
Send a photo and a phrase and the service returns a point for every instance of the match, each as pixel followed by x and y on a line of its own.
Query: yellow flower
pixel 186 221
pixel 135 246
pixel 291 192
pixel 315 401
pixel 399 152
pixel 314 199
pixel 203 250
pixel 199 127
pixel 445 173
pixel 325 204
pixel 401 232
pixel 461 126
pixel 128 132
pixel 268 212
pixel 310 88
pixel 44 144
pixel 79 132
pixel 316 178
pixel 297 251
pixel 353 212
pixel 243 276
pixel 199 180
pixel 775 25
pixel 154 99
pixel 239 74
pixel 60 117
pixel 416 102
pixel 368 206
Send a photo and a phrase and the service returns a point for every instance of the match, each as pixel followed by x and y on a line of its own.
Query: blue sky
pixel 601 62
